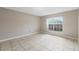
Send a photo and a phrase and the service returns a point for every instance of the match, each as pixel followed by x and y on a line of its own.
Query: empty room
pixel 39 29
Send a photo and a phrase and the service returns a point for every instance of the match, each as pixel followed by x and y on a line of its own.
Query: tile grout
pixel 21 45
pixel 47 42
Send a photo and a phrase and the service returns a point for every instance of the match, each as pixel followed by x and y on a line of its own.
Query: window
pixel 55 24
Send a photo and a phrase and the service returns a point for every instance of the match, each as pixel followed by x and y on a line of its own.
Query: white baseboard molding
pixel 63 36
pixel 17 37
pixel 2 40
pixel 74 38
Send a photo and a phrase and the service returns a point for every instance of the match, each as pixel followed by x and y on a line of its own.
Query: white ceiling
pixel 42 11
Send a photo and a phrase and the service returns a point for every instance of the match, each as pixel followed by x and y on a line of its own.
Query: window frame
pixel 55 30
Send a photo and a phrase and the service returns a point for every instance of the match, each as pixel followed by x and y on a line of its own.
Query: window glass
pixel 55 24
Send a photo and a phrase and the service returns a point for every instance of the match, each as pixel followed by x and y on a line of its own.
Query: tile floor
pixel 39 42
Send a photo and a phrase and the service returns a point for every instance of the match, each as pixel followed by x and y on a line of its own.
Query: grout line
pixel 21 45
pixel 11 45
pixel 0 46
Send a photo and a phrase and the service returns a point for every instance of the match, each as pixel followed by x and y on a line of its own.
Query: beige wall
pixel 14 23
pixel 70 28
pixel 78 25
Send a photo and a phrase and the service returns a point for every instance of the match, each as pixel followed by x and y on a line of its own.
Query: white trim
pixel 63 35
pixel 70 37
pixel 17 37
